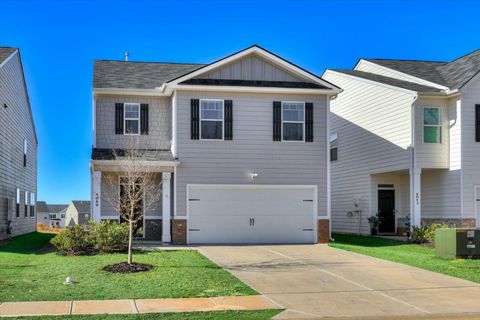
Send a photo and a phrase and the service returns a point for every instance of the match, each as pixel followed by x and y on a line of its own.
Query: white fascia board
pixel 349 76
pixel 8 58
pixel 135 92
pixel 259 51
pixel 413 78
pixel 252 89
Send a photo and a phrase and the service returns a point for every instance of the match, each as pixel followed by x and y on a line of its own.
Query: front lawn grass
pixel 28 272
pixel 214 315
pixel 410 254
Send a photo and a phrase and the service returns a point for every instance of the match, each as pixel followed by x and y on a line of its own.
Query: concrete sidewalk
pixel 130 306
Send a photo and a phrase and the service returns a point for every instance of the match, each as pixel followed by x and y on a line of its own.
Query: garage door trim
pixel 314 188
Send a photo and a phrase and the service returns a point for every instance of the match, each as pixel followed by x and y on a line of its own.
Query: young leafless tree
pixel 140 188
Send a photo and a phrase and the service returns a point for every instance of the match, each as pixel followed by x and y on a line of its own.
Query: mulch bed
pixel 128 268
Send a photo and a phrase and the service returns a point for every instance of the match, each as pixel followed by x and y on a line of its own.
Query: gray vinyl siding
pixel 373 123
pixel 252 148
pixel 251 68
pixel 15 126
pixel 470 149
pixel 160 122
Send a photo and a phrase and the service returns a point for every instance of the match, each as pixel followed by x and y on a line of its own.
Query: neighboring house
pixel 406 143
pixel 78 212
pixel 240 146
pixel 18 149
pixel 51 215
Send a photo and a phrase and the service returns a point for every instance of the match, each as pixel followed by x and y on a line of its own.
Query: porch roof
pixel 145 154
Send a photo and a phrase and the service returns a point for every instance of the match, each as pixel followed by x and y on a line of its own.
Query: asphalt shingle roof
pixel 453 74
pixel 43 207
pixel 137 75
pixel 5 52
pixel 145 154
pixel 82 206
pixel 390 81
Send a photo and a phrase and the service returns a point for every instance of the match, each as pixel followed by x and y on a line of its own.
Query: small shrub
pixel 426 234
pixel 108 236
pixel 73 241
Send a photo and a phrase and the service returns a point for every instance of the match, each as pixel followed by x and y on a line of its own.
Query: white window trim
pixel 333 144
pixel 25 144
pixel 130 119
pixel 440 113
pixel 222 120
pixel 289 121
pixel 143 205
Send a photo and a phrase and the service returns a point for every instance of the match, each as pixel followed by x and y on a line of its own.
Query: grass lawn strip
pixel 214 315
pixel 28 272
pixel 410 254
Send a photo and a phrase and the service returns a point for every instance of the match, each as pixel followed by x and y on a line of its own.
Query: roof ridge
pixel 413 60
pixel 163 62
pixel 463 56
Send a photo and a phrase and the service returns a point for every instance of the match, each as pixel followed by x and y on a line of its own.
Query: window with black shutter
pixel 228 119
pixel 277 121
pixel 118 118
pixel 477 123
pixel 194 119
pixel 309 122
pixel 144 118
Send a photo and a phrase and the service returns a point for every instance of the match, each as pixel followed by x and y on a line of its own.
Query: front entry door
pixel 386 211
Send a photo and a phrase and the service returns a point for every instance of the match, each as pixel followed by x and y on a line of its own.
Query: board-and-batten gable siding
pixel 371 67
pixel 160 122
pixel 252 148
pixel 431 155
pixel 15 126
pixel 373 123
pixel 251 67
pixel 471 149
pixel 110 189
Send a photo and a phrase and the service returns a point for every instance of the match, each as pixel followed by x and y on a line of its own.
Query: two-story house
pixel 405 143
pixel 51 215
pixel 18 149
pixel 240 146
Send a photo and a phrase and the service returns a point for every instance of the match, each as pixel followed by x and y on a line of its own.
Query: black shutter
pixel 144 118
pixel 308 122
pixel 277 121
pixel 118 118
pixel 477 123
pixel 228 121
pixel 195 119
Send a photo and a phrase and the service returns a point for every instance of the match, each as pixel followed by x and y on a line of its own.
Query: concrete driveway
pixel 313 281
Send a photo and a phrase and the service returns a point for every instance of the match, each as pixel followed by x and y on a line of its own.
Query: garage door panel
pixel 222 214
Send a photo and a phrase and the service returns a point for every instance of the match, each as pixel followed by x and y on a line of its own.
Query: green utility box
pixel 457 243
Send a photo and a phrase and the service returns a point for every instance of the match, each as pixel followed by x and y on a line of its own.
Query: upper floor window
pixel 25 152
pixel 132 118
pixel 432 125
pixel 333 146
pixel 211 119
pixel 293 121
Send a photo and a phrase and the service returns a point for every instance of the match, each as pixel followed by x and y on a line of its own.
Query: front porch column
pixel 415 197
pixel 166 236
pixel 96 195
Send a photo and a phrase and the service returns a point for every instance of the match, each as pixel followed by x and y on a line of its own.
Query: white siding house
pixel 406 144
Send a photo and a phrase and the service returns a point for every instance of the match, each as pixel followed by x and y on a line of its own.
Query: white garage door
pixel 251 214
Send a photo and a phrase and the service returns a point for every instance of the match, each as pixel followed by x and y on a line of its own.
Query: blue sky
pixel 60 39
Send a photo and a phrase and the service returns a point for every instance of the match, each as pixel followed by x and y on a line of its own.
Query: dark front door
pixel 138 214
pixel 386 211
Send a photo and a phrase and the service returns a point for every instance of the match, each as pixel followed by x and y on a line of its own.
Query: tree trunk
pixel 130 236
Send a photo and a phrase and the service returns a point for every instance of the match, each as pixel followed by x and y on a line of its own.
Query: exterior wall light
pixel 253 175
